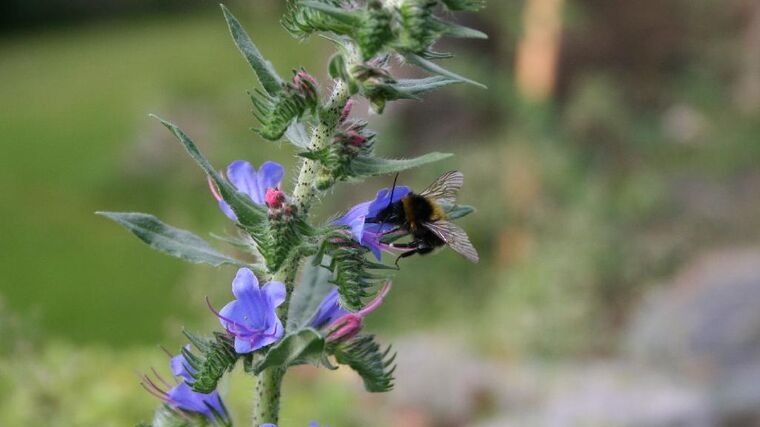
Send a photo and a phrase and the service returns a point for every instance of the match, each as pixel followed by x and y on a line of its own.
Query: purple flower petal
pixel 180 367
pixel 275 291
pixel 252 318
pixel 366 234
pixel 243 345
pixel 329 310
pixel 383 199
pixel 184 398
pixel 270 175
pixel 254 184
pixel 227 210
pixel 354 219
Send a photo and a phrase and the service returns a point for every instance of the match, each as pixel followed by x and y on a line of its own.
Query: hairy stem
pixel 303 194
pixel 267 406
pixel 269 383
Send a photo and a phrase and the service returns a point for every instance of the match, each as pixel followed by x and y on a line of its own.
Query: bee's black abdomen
pixel 421 208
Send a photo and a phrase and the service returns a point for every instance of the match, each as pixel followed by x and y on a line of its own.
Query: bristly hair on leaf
pixel 216 357
pixel 364 356
pixel 354 274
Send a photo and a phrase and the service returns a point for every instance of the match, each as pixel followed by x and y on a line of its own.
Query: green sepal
pixel 170 240
pixel 374 31
pixel 312 288
pixel 372 166
pixel 270 80
pixel 342 15
pixel 352 273
pixel 303 346
pixel 373 365
pixel 216 356
pixel 249 214
pixel 302 21
pixel 338 70
pixel 434 68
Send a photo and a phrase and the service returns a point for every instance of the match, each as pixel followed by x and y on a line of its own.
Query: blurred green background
pixel 614 162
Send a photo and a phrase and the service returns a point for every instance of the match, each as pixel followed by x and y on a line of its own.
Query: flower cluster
pixel 287 311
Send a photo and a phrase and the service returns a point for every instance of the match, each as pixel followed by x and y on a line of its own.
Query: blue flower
pixel 328 311
pixel 369 234
pixel 252 318
pixel 181 397
pixel 247 180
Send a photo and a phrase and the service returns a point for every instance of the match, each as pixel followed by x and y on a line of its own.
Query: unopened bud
pixel 274 198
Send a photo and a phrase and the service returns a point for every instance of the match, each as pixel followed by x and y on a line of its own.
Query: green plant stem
pixel 266 409
pixel 321 137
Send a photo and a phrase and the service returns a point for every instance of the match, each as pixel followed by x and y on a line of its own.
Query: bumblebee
pixel 422 216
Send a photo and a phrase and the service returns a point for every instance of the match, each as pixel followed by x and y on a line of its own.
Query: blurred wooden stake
pixel 747 91
pixel 538 49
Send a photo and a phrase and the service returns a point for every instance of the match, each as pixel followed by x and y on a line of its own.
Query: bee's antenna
pixel 390 202
pixel 393 188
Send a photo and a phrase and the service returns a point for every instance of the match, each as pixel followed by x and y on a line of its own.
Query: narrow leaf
pixel 264 70
pixel 311 290
pixel 437 69
pixel 169 240
pixel 304 346
pixel 417 86
pixel 248 213
pixel 370 166
pixel 455 30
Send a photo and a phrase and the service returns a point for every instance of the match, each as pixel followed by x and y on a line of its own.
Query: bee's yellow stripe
pixel 438 213
pixel 409 212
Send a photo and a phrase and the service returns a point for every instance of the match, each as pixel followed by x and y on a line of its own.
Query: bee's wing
pixel 445 188
pixel 455 238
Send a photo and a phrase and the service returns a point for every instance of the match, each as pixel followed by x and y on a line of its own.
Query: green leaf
pixel 297 135
pixel 169 240
pixel 264 70
pixel 304 346
pixel 455 30
pixel 418 86
pixel 311 290
pixel 248 213
pixel 458 211
pixel 434 68
pixel 370 166
pixel 364 356
pixel 339 14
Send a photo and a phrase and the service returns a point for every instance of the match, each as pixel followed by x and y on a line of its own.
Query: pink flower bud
pixel 346 110
pixel 347 326
pixel 300 76
pixel 274 198
pixel 355 138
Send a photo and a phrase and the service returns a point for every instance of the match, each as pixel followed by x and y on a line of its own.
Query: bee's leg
pixel 404 255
